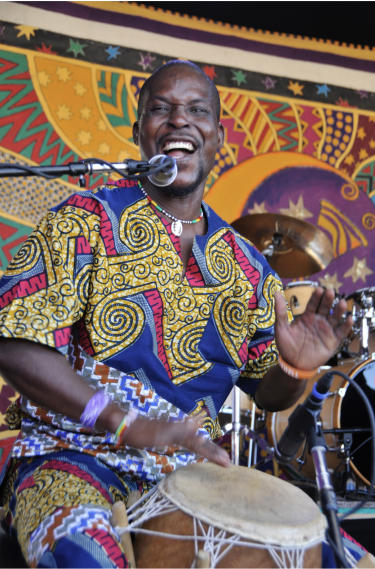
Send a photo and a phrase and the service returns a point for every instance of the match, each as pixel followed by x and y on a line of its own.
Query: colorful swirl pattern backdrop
pixel 298 113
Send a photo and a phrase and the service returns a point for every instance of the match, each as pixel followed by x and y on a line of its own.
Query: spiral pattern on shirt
pixel 140 234
pixel 221 264
pixel 232 316
pixel 185 348
pixel 118 319
pixel 27 256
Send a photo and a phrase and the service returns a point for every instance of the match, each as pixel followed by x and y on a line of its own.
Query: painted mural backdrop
pixel 294 147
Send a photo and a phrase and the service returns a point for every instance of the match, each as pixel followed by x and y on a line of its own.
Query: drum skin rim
pixel 299 534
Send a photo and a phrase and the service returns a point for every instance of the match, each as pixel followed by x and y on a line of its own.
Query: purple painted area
pixel 149 25
pixel 314 185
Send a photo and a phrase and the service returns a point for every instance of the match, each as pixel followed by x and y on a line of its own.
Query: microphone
pixel 302 419
pixel 166 175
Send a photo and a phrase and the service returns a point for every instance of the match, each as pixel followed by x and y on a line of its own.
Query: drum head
pixel 246 502
pixel 354 415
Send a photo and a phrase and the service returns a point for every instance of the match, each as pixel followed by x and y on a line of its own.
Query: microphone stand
pixel 317 448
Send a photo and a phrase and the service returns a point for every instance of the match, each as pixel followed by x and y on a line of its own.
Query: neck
pixel 186 207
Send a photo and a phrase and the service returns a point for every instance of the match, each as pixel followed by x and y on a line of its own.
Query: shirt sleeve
pixel 44 290
pixel 262 349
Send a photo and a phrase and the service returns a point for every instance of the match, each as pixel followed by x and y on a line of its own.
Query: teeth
pixel 178 145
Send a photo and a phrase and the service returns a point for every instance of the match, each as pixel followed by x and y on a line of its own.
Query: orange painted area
pixel 69 94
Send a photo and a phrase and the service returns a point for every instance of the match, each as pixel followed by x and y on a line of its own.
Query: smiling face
pixel 179 120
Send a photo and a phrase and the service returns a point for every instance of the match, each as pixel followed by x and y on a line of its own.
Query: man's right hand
pixel 145 433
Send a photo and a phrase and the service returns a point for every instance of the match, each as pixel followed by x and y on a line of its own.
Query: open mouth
pixel 178 149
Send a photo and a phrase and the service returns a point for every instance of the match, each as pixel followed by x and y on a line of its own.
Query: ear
pixel 221 135
pixel 136 133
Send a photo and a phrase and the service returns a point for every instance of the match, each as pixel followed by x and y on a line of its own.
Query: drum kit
pixel 294 249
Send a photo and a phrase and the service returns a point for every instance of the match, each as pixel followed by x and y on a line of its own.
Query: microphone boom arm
pixel 88 166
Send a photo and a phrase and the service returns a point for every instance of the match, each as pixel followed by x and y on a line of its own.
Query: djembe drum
pixel 242 517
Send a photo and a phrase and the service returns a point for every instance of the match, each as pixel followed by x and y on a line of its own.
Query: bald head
pixel 147 86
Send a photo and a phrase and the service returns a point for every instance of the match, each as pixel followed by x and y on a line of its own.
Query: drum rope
pixel 215 551
pixel 218 545
pixel 154 507
pixel 142 499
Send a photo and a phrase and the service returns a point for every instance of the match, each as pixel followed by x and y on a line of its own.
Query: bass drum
pixel 343 409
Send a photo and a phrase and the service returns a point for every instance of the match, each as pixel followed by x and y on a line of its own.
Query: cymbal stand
pixel 236 425
pixel 367 316
pixel 252 443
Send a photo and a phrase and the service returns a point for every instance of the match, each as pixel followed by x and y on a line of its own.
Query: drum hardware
pixel 342 412
pixel 252 444
pixel 294 247
pixel 361 304
pixel 238 400
pixel 347 483
pixel 236 424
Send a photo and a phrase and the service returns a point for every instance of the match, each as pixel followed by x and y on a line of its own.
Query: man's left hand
pixel 315 336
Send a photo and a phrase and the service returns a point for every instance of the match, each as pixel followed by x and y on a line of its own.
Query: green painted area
pixel 368 177
pixel 27 119
pixel 76 48
pixel 115 120
pixel 291 124
pixel 239 76
pixel 19 232
pixel 101 81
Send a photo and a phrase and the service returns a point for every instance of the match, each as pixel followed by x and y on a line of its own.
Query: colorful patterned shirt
pixel 100 280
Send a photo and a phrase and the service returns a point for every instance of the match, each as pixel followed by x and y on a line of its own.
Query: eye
pixel 198 110
pixel 160 109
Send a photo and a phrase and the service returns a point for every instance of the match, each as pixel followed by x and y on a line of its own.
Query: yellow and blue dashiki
pixel 100 280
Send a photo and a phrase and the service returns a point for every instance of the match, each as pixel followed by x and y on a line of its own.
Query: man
pixel 165 321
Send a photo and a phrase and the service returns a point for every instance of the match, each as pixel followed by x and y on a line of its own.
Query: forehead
pixel 179 78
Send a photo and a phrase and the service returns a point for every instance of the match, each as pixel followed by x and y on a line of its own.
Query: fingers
pixel 344 327
pixel 321 301
pixel 341 325
pixel 210 451
pixel 338 312
pixel 281 311
pixel 144 433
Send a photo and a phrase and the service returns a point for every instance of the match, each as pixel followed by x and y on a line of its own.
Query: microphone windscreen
pixel 166 176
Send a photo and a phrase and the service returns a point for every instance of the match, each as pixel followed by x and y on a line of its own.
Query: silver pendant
pixel 177 228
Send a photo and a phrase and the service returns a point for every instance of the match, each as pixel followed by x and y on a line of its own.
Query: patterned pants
pixel 59 509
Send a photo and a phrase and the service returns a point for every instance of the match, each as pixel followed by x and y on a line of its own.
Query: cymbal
pixel 299 248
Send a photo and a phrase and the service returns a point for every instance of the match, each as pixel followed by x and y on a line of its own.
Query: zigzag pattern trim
pixel 24 127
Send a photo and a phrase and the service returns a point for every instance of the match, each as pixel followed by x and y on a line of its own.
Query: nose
pixel 178 117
